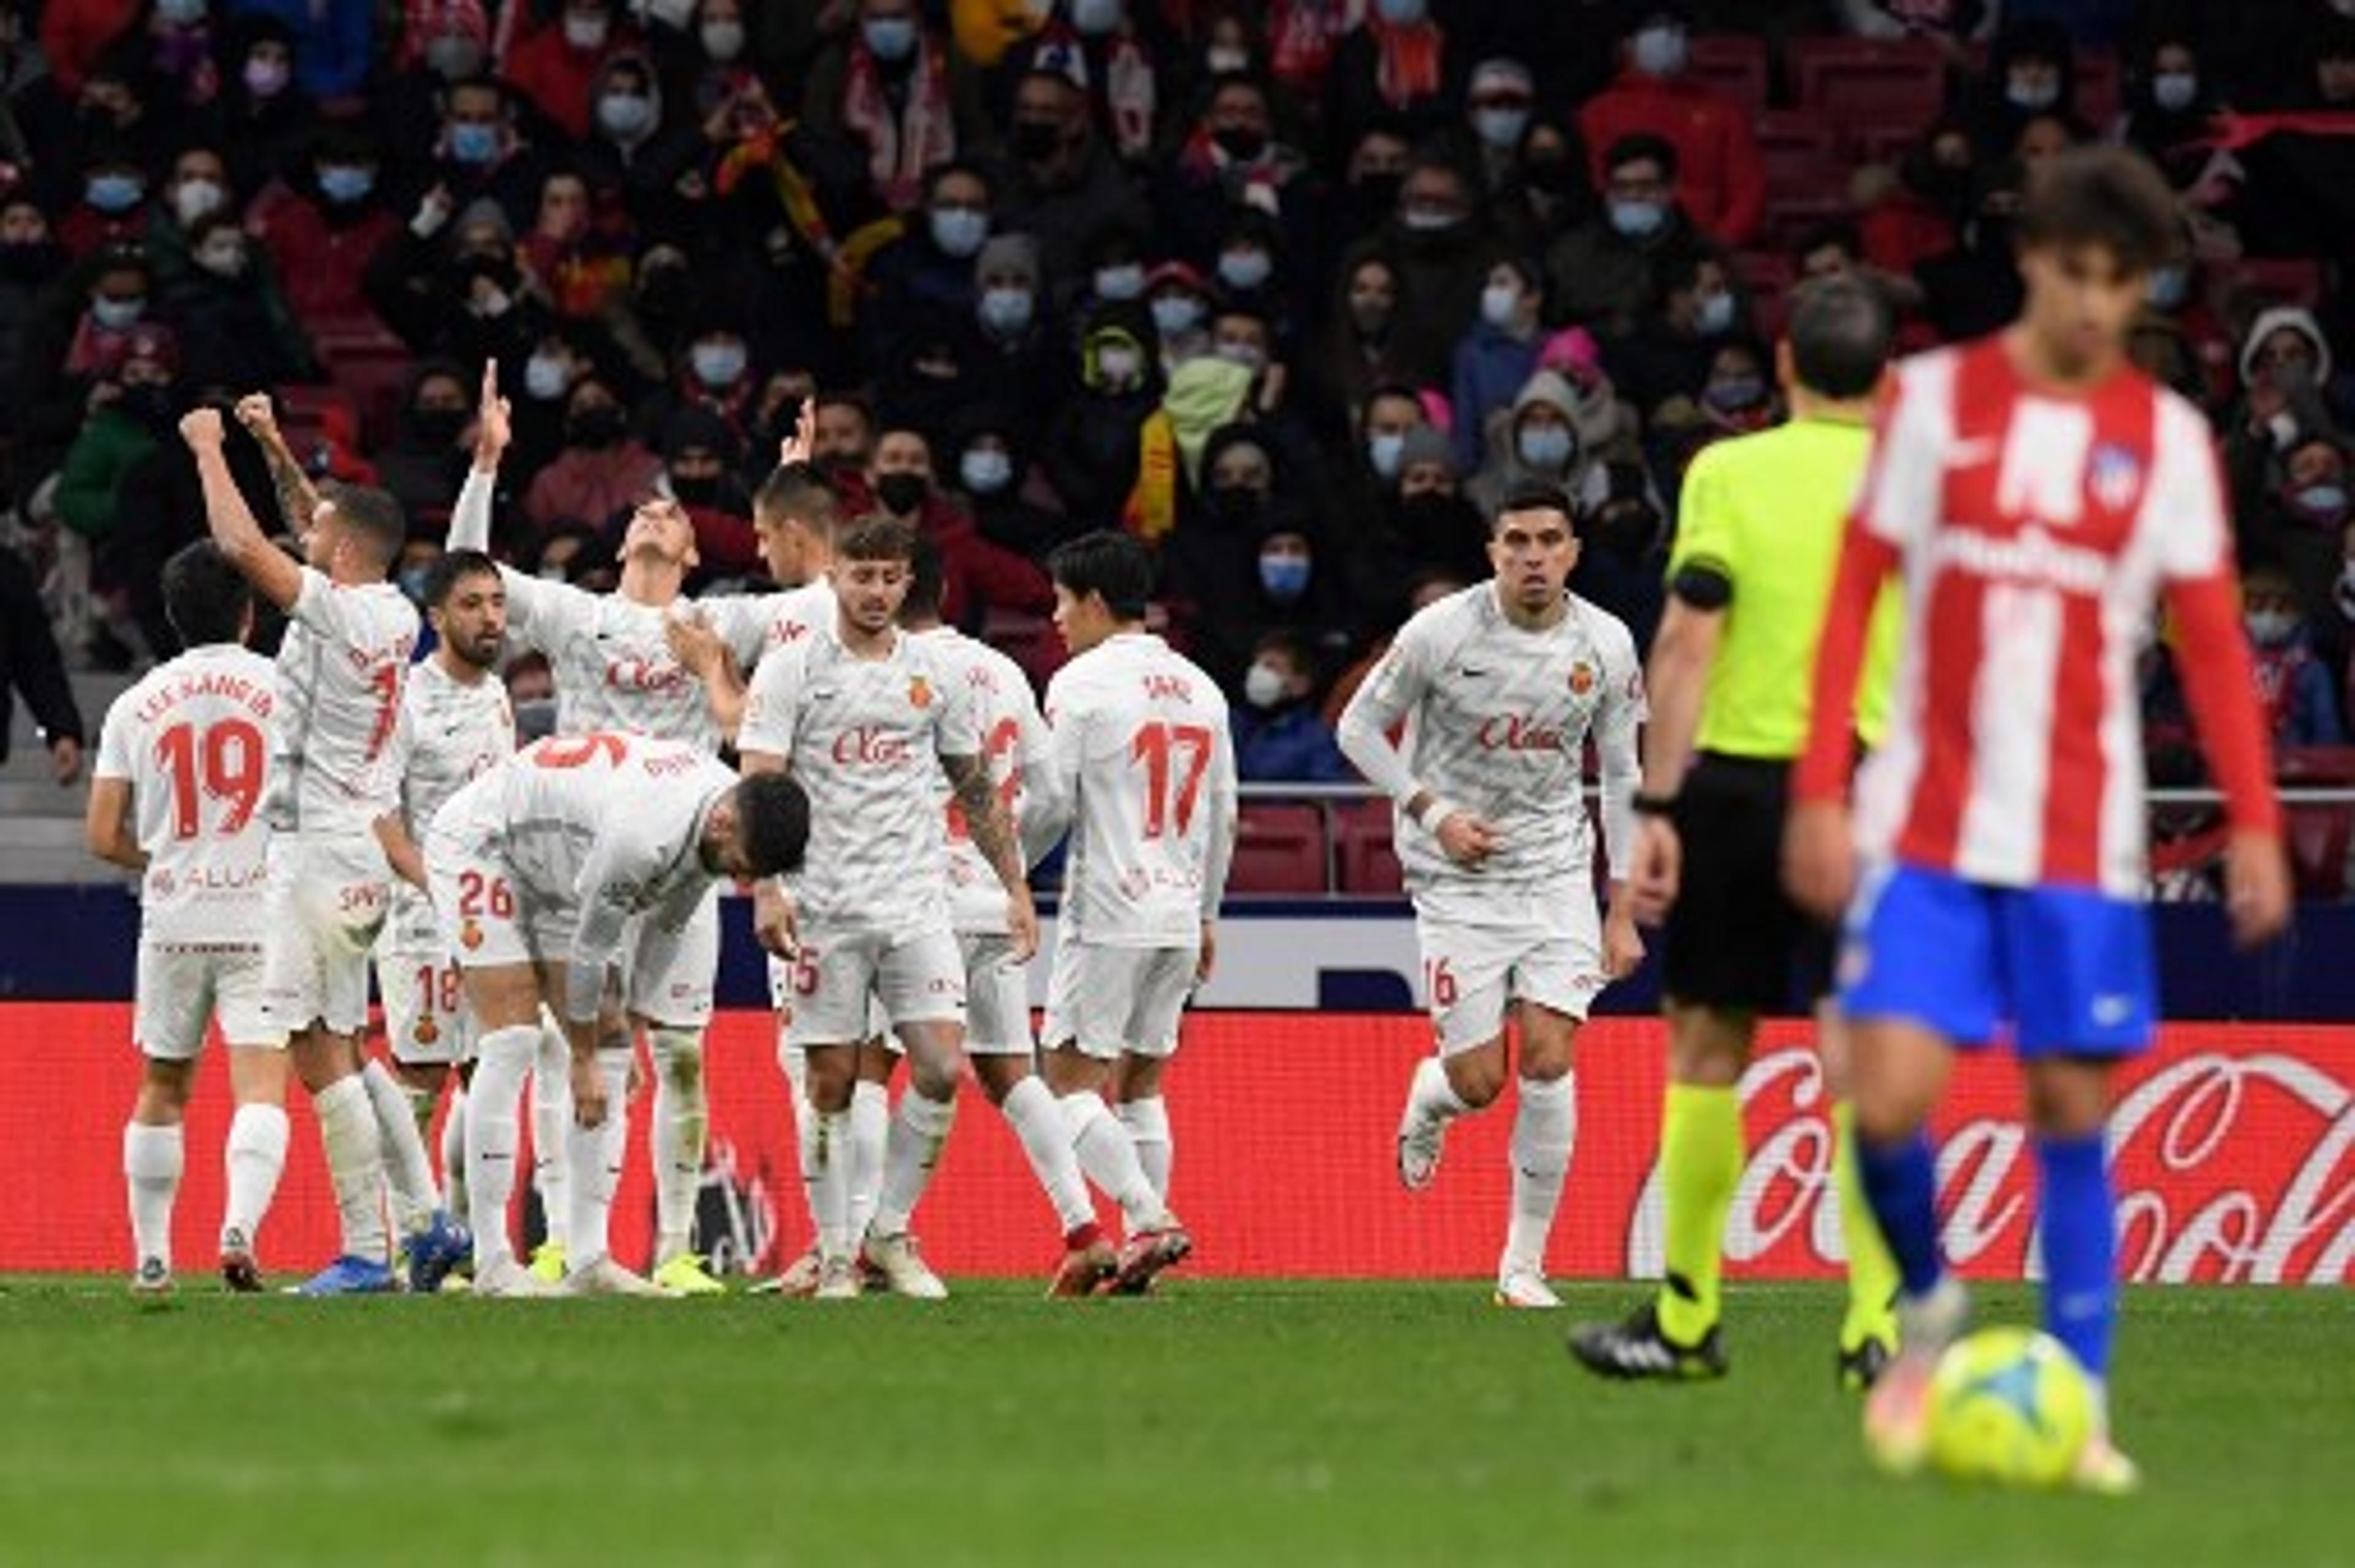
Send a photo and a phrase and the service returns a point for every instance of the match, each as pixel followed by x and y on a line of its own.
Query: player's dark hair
pixel 453 567
pixel 2100 196
pixel 1109 564
pixel 795 492
pixel 877 537
pixel 927 582
pixel 205 598
pixel 1840 334
pixel 372 515
pixel 772 822
pixel 1534 496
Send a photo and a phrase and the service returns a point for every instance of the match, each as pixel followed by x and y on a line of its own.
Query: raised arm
pixel 470 519
pixel 273 574
pixel 298 500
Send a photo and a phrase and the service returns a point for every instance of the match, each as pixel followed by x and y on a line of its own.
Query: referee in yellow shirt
pixel 1758 538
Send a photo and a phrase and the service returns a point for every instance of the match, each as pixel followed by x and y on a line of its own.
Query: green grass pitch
pixel 1226 1422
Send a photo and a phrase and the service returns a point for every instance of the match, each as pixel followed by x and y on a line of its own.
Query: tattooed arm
pixel 992 826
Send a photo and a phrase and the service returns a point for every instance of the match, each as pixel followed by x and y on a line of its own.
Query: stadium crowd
pixel 1289 290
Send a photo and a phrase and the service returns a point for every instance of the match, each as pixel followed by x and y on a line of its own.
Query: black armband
pixel 1703 584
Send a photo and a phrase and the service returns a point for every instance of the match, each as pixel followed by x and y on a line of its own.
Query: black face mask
pixel 901 494
pixel 1553 176
pixel 595 428
pixel 30 264
pixel 437 427
pixel 1036 141
pixel 1377 195
pixel 500 269
pixel 1240 144
pixel 1232 507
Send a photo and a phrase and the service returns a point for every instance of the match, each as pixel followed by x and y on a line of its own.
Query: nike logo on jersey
pixel 1467 673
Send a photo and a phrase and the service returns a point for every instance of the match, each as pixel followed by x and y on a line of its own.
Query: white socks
pixel 1030 1108
pixel 1108 1154
pixel 595 1156
pixel 825 1176
pixel 1545 1126
pixel 406 1168
pixel 255 1156
pixel 919 1130
pixel 502 1059
pixel 682 1120
pixel 551 1133
pixel 454 1154
pixel 870 1134
pixel 347 1130
pixel 152 1161
pixel 1147 1122
pixel 1431 1096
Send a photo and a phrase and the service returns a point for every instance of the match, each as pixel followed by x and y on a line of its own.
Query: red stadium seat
pixel 1873 81
pixel 2290 280
pixel 1735 65
pixel 1370 862
pixel 2101 90
pixel 1279 849
pixel 1801 150
pixel 374 377
pixel 2315 767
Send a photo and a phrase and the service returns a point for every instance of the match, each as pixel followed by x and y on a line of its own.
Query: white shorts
pixel 182 989
pixel 918 978
pixel 1481 954
pixel 425 1016
pixel 1110 1001
pixel 489 917
pixel 328 898
pixel 997 998
pixel 669 975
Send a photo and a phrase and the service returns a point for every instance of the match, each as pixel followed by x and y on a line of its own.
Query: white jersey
pixel 192 739
pixel 610 661
pixel 340 672
pixel 864 737
pixel 1014 748
pixel 1496 721
pixel 603 822
pixel 1142 751
pixel 754 625
pixel 449 732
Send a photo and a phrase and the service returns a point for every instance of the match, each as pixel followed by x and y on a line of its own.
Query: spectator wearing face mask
pixel 554 67
pixel 334 42
pixel 2293 683
pixel 1253 270
pixel 700 455
pixel 478 154
pixel 235 327
pixel 1179 300
pixel 1231 163
pixel 266 122
pixel 1100 46
pixel 1537 443
pixel 2285 366
pixel 642 151
pixel 1720 179
pixel 1280 737
pixel 1666 358
pixel 978 576
pixel 901 97
pixel 927 272
pixel 602 469
pixel 1093 441
pixel 1602 273
pixel 427 459
pixel 441 43
pixel 463 294
pixel 1441 244
pixel 112 209
pixel 2170 98
pixel 196 187
pixel 324 230
pixel 78 331
pixel 1429 524
pixel 1496 357
pixel 996 484
pixel 1351 356
pixel 715 372
pixel 1622 557
pixel 2297 522
pixel 2031 71
pixel 1061 184
pixel 1008 346
pixel 1737 395
pixel 1395 63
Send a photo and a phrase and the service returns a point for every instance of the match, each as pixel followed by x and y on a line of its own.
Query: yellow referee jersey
pixel 1766 511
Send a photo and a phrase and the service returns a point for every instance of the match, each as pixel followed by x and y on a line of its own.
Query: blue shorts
pixel 2069 969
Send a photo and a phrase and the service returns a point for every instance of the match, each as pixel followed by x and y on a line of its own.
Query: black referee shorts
pixel 1736 941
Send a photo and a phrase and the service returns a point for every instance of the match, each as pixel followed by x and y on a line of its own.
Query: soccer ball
pixel 2010 1406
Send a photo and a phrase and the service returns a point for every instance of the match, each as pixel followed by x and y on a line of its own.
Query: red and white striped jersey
pixel 2034 530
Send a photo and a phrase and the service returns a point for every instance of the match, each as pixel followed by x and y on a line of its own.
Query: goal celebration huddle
pixel 1925 591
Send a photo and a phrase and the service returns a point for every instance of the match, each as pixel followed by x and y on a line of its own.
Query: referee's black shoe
pixel 1638 1349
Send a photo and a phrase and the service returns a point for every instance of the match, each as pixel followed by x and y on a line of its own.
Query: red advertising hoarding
pixel 2234 1149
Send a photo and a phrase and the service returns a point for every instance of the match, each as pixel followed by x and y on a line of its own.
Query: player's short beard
pixel 481 652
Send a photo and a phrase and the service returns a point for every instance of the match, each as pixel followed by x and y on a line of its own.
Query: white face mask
pixel 585 32
pixel 1264 685
pixel 1499 303
pixel 192 199
pixel 723 41
pixel 1120 368
pixel 545 378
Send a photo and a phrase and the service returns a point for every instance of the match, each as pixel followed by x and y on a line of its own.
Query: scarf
pixel 422 19
pixel 1129 94
pixel 1408 70
pixel 2278 670
pixel 1301 34
pixel 900 147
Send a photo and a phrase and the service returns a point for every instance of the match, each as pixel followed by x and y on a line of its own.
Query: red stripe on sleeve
pixel 2220 682
pixel 1865 562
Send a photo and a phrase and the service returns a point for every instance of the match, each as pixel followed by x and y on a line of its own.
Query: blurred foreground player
pixel 1758 532
pixel 182 768
pixel 1498 687
pixel 2036 494
pixel 542 870
pixel 1143 761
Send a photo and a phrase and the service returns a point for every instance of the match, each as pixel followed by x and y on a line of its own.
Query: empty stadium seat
pixel 1801 150
pixel 1369 863
pixel 1870 81
pixel 1279 849
pixel 1735 65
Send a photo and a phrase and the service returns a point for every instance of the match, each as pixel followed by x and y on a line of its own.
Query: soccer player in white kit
pixel 1499 688
pixel 1142 761
pixel 863 715
pixel 543 871
pixel 182 768
pixel 614 669
pixel 340 672
pixel 455 724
